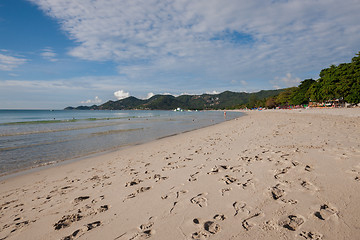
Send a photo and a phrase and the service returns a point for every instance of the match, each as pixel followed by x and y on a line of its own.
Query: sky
pixel 59 53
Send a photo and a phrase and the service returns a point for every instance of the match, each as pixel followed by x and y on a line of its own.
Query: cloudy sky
pixel 56 53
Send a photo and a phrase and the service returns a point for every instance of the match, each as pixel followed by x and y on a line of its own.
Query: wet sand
pixel 268 175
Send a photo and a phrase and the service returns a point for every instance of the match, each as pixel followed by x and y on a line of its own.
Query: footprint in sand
pixel 199 200
pixel 187 159
pixel 201 166
pixel 74 235
pixel 6 204
pixel 80 199
pixel 246 184
pixel 62 190
pixel 290 201
pixel 277 192
pixel 192 177
pixel 158 177
pixel 357 174
pixel 219 217
pixel 308 185
pixel 225 190
pixel 240 207
pixel 145 231
pixel 173 167
pixel 292 222
pixel 146 226
pixel 91 209
pixel 308 168
pixel 240 169
pixel 133 172
pixel 269 225
pixel 247 224
pixel 17 225
pixel 66 221
pixel 325 212
pixel 295 163
pixel 175 194
pixel 212 227
pixel 100 198
pixel 311 235
pixel 200 235
pixel 228 179
pixel 93 225
pixel 172 208
pixel 103 208
pixel 218 169
pixel 208 228
pixel 142 189
pixel 246 159
pixel 139 190
pixel 99 181
pixel 133 182
pixel 281 172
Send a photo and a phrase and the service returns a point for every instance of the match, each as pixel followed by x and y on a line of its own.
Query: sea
pixel 33 138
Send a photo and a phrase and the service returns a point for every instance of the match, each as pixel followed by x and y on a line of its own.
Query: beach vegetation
pixel 340 82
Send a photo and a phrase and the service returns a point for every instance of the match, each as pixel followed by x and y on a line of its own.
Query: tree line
pixel 336 82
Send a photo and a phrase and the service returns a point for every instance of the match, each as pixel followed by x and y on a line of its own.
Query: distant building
pixel 334 103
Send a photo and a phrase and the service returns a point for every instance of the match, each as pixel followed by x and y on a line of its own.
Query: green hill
pixel 224 100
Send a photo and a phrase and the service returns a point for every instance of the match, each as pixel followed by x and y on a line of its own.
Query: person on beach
pixel 224 115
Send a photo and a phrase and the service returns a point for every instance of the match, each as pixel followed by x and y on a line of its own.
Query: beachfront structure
pixel 334 103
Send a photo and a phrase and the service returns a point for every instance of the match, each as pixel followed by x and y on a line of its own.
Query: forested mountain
pixel 225 100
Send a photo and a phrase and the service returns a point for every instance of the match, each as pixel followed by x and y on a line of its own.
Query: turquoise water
pixel 30 138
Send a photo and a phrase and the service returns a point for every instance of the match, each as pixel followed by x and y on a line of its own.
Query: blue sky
pixel 58 53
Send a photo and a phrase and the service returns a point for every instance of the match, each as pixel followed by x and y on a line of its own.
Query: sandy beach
pixel 268 175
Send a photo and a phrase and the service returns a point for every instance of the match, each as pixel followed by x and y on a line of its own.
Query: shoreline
pixel 59 161
pixel 43 166
pixel 265 175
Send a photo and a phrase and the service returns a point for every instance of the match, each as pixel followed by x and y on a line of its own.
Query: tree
pixel 284 97
pixel 270 102
pixel 342 81
pixel 299 96
pixel 252 101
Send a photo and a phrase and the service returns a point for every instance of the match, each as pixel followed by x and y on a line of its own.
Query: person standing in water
pixel 224 115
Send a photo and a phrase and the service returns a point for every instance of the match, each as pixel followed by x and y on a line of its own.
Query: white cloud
pixel 213 92
pixel 8 63
pixel 105 84
pixel 43 85
pixel 13 74
pixel 149 95
pixel 96 100
pixel 121 94
pixel 49 54
pixel 243 82
pixel 160 40
pixel 287 81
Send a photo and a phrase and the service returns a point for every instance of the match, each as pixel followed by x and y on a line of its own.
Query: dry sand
pixel 268 175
